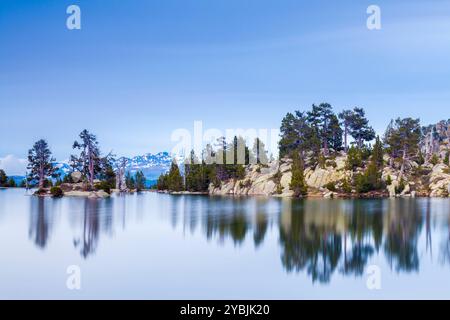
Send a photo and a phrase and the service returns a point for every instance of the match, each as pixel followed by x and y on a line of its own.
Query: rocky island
pixel 316 160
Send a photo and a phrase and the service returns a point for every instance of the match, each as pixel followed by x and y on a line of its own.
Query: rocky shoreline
pixel 325 182
pixel 274 178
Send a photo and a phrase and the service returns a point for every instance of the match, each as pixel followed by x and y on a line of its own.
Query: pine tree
pixel 446 158
pixel 298 184
pixel 3 178
pixel 319 119
pixel 12 183
pixel 196 179
pixel 129 181
pixel 163 183
pixel 175 180
pixel 347 117
pixel 259 152
pixel 359 127
pixel 107 173
pixel 23 184
pixel 289 133
pixel 89 161
pixel 297 135
pixel 40 162
pixel 140 181
pixel 354 158
pixel 377 154
pixel 335 133
pixel 403 139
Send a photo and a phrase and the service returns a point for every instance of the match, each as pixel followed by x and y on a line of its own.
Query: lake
pixel 159 246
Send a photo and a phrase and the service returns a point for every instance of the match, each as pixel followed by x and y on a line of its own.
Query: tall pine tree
pixel 40 162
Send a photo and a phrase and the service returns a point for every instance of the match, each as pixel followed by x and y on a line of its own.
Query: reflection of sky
pixel 160 246
pixel 137 71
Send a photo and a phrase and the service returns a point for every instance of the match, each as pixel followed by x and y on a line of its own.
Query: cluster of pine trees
pixel 314 137
pixel 9 182
pixel 89 162
pixel 311 138
pixel 226 161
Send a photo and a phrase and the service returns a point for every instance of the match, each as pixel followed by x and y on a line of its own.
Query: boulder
pixel 391 189
pixel 406 190
pixel 439 181
pixel 76 176
pixel 285 181
pixel 320 177
pixel 99 194
pixel 328 195
pixel 340 162
pixel 285 167
pixel 66 187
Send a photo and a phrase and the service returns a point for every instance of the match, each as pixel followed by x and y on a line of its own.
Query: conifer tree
pixel 346 116
pixel 130 182
pixel 3 178
pixel 359 127
pixel 402 138
pixel 12 183
pixel 319 119
pixel 377 153
pixel 259 152
pixel 140 181
pixel 335 133
pixel 40 162
pixel 175 180
pixel 89 161
pixel 298 183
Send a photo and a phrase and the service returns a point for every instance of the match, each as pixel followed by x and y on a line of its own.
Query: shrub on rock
pixel 56 192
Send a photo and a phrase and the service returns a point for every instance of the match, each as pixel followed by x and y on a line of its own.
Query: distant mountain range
pixel 152 165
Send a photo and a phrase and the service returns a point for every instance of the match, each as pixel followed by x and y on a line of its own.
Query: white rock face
pixel 76 176
pixel 320 177
pixel 391 189
pixel 286 181
pixel 89 194
pixel 439 181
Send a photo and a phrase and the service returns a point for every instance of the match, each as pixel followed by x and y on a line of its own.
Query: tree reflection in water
pixel 41 220
pixel 318 237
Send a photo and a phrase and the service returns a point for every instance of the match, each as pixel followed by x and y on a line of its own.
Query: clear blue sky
pixel 139 69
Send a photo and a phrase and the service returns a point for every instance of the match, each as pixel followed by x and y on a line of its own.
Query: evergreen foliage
pixel 40 163
pixel 298 183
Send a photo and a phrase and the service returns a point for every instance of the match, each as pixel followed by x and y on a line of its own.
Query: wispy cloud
pixel 13 165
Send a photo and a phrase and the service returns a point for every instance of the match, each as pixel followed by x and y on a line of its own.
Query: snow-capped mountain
pixel 152 165
pixel 62 169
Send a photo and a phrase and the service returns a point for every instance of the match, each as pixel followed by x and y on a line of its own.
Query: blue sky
pixel 137 70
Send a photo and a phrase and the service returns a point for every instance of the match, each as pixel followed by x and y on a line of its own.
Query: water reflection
pixel 320 238
pixel 41 221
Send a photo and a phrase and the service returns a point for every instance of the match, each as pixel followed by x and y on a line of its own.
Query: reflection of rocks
pixel 75 192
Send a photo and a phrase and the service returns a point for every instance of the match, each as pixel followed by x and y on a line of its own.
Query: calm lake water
pixel 157 246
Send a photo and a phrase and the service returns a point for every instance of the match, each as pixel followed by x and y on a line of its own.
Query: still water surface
pixel 157 246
